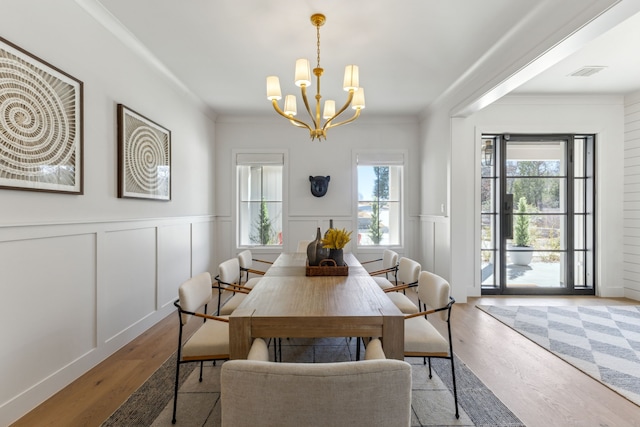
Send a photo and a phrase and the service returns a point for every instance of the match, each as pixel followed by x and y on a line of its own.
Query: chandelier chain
pixel 318 44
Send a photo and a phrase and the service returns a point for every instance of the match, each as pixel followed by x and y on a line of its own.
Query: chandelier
pixel 317 129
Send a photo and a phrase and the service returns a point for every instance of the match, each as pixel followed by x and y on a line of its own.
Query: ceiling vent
pixel 587 71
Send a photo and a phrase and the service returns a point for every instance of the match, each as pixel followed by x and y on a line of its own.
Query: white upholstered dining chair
pixel 374 391
pixel 227 281
pixel 408 273
pixel 245 259
pixel 387 275
pixel 210 341
pixel 421 338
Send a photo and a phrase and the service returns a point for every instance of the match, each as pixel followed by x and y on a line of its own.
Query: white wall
pixel 435 197
pixel 333 157
pixel 602 116
pixel 631 253
pixel 82 275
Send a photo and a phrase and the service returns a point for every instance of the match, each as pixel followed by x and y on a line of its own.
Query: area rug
pixel 601 341
pixel 199 402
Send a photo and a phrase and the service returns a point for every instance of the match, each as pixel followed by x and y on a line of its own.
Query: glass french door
pixel 537 214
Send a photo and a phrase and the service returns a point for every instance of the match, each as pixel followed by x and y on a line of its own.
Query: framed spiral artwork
pixel 144 157
pixel 40 124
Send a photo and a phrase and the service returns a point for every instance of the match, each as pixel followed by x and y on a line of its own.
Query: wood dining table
pixel 285 303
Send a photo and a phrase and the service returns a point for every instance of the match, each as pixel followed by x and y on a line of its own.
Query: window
pixel 259 178
pixel 380 198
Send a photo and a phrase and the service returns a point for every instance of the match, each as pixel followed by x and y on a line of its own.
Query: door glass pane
pixel 540 232
pixel 487 195
pixel 578 158
pixel 488 236
pixel 488 276
pixel 579 202
pixel 580 270
pixel 536 158
pixel 540 194
pixel 539 274
pixel 548 231
pixel 578 233
pixel 488 156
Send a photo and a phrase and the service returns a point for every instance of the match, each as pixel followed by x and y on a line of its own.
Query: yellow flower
pixel 336 239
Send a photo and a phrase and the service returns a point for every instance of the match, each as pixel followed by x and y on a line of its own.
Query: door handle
pixel 508 216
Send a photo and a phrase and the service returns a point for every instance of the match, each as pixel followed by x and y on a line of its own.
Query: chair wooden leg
pixel 201 365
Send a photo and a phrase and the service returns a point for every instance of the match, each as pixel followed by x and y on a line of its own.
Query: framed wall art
pixel 144 157
pixel 40 124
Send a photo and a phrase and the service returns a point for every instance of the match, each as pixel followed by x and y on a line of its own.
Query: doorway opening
pixel 537 214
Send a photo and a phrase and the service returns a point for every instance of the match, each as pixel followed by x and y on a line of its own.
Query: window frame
pixel 378 157
pixel 255 155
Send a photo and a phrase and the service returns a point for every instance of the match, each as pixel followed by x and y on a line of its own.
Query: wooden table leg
pixel 393 336
pixel 240 339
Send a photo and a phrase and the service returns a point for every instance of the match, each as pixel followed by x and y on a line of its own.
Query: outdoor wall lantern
pixel 487 153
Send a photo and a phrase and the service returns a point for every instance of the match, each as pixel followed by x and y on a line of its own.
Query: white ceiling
pixel 617 49
pixel 411 53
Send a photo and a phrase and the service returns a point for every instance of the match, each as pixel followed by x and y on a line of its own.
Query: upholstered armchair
pixel 246 259
pixel 228 279
pixel 374 391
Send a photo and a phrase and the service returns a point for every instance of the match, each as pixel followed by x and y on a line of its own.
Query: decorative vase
pixel 315 251
pixel 337 255
pixel 330 227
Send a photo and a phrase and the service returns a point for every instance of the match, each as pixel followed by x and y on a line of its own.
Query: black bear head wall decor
pixel 319 185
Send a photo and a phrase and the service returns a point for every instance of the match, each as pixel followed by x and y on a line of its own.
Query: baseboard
pixel 18 406
pixel 618 292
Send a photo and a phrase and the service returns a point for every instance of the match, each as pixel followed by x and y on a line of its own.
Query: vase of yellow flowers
pixel 335 240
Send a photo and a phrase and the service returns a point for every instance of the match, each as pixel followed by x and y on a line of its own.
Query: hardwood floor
pixel 540 388
pixel 93 397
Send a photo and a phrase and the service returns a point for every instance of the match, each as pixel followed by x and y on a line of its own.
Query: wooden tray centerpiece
pixel 327 267
pixel 334 240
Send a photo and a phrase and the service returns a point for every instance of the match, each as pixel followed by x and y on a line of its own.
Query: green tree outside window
pixel 263 232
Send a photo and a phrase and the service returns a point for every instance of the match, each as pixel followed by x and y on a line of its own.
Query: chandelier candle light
pixel 351 84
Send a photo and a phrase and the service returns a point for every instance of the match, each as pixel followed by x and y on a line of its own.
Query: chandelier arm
pixel 318 73
pixel 298 123
pixel 292 119
pixel 328 124
pixel 355 116
pixel 303 90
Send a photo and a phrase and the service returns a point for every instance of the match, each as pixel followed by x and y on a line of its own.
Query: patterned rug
pixel 199 402
pixel 601 341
